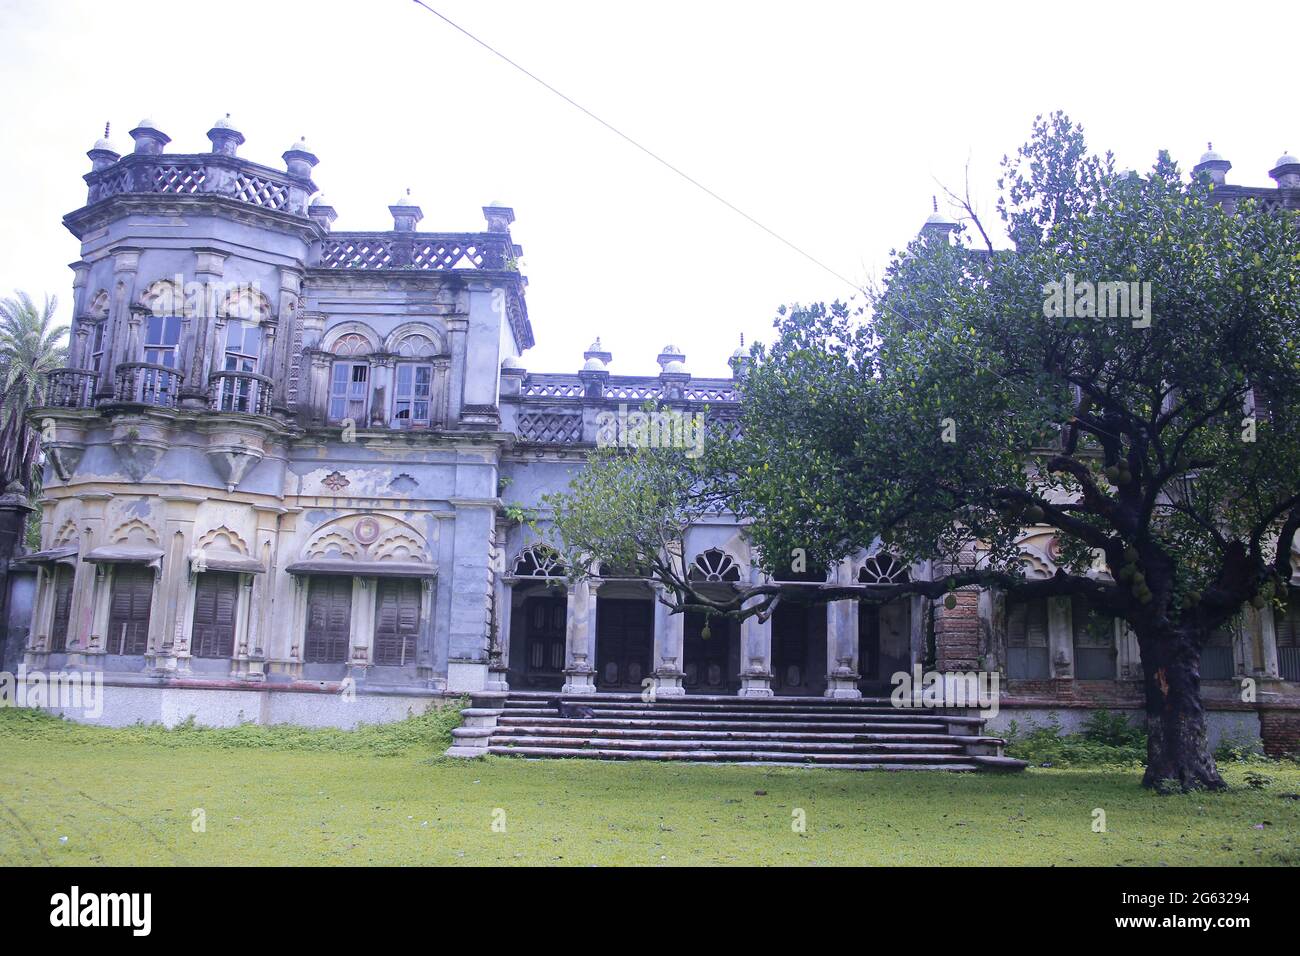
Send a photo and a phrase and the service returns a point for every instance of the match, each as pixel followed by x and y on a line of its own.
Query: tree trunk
pixel 1178 749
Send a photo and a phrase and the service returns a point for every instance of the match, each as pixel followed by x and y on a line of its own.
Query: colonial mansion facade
pixel 280 460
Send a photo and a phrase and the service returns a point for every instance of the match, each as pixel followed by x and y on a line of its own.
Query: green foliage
pixel 1107 740
pixel 429 732
pixel 30 347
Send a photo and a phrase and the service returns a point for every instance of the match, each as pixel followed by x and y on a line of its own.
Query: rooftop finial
pixel 107 126
pixel 742 340
pixel 934 200
pixel 1209 147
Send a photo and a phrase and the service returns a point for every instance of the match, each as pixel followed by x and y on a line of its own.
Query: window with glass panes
pixel 412 394
pixel 1216 655
pixel 1288 637
pixel 1094 641
pixel 161 336
pixel 243 350
pixel 1027 657
pixel 349 390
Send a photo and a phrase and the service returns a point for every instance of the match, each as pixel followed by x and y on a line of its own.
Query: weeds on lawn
pixel 428 732
pixel 1106 740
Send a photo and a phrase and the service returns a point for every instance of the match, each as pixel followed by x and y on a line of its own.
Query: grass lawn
pixel 382 795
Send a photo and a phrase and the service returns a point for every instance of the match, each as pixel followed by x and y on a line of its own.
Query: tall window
pixel 397 620
pixel 1027 657
pixel 329 620
pixel 62 590
pixel 349 391
pixel 1216 656
pixel 1288 638
pixel 1094 642
pixel 216 597
pixel 243 350
pixel 96 352
pixel 412 394
pixel 162 333
pixel 129 604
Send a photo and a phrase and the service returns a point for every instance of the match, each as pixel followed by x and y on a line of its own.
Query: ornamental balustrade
pixel 144 383
pixel 70 388
pixel 244 392
pixel 627 388
pixel 420 251
pixel 202 174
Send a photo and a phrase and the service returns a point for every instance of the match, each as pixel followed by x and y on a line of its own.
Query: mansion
pixel 282 459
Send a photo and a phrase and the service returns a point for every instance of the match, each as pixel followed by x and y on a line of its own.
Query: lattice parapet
pixel 626 388
pixel 551 427
pixel 206 174
pixel 436 252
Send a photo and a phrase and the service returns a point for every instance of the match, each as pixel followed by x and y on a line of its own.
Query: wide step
pixel 867 734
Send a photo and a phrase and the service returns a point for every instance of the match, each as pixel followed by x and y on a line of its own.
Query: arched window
pixel 539 562
pixel 714 565
pixel 883 568
pixel 350 379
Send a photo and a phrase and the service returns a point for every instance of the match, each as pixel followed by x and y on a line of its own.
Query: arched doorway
pixel 539 607
pixel 884 630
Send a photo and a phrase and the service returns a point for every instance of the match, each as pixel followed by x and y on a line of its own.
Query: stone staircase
pixel 866 734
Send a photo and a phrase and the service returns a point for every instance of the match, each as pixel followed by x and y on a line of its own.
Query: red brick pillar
pixel 957 633
pixel 1279 728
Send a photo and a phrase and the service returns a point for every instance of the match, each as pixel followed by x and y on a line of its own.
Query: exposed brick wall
pixel 1279 728
pixel 957 633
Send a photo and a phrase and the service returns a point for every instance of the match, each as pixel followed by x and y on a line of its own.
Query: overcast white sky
pixel 828 121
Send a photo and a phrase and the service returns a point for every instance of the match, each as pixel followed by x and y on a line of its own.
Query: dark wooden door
pixel 128 614
pixel 790 671
pixel 544 630
pixel 707 661
pixel 397 620
pixel 624 643
pixel 62 590
pixel 215 598
pixel 329 620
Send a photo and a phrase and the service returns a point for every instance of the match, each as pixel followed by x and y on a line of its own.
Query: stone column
pixel 457 336
pixel 277 357
pixel 842 674
pixel 125 263
pixel 1060 638
pixel 669 649
pixel 209 267
pixel 81 616
pixel 383 381
pixel 499 652
pixel 756 655
pixel 319 379
pixel 177 585
pixel 1128 658
pixel 1259 644
pixel 77 340
pixel 580 639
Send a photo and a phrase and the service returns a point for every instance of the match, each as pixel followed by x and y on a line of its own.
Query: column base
pixel 497 680
pixel 579 680
pixel 842 683
pixel 756 685
pixel 668 682
pixel 843 688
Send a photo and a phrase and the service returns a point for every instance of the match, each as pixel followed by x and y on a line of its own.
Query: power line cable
pixel 699 185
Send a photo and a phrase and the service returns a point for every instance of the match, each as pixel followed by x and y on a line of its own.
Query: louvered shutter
pixel 329 620
pixel 215 600
pixel 62 608
pixel 397 619
pixel 129 605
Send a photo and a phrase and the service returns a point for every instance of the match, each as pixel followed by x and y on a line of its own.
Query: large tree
pixel 30 347
pixel 967 402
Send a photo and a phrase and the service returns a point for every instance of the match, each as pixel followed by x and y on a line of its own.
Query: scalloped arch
pixel 225 539
pixel 348 333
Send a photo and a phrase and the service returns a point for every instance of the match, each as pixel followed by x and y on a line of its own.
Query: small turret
pixel 226 140
pixel 149 139
pixel 1212 165
pixel 406 213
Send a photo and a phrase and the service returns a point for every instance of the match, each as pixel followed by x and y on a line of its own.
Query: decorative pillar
pixel 209 267
pixel 1060 638
pixel 669 648
pixel 277 356
pixel 1259 644
pixel 319 403
pixel 755 654
pixel 499 651
pixel 457 336
pixel 125 264
pixel 842 673
pixel 580 639
pixel 1128 657
pixel 382 382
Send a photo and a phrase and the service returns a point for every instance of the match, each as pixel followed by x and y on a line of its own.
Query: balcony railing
pixel 245 392
pixel 201 174
pixel 143 383
pixel 70 388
